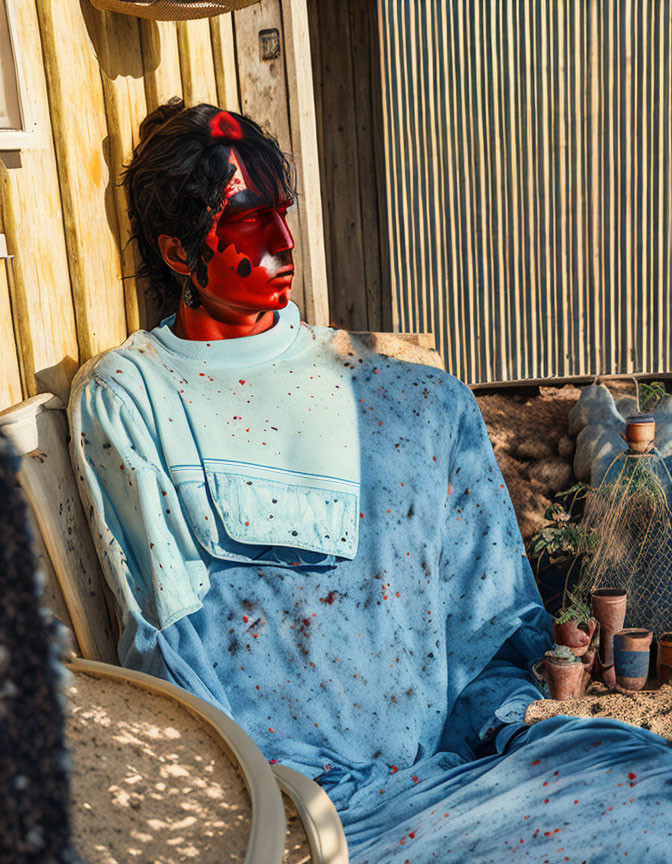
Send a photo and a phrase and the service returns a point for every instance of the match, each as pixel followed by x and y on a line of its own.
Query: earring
pixel 190 296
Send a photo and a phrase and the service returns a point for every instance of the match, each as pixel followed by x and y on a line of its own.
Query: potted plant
pixel 573 626
pixel 559 550
pixel 564 673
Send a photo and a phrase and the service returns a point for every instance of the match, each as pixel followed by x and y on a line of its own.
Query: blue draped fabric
pixel 398 679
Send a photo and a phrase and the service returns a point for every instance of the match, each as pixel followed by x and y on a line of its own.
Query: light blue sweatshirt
pixel 390 662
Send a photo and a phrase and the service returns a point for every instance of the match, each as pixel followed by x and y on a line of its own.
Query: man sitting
pixel 318 540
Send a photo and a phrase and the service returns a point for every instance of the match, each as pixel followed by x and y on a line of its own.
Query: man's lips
pixel 284 273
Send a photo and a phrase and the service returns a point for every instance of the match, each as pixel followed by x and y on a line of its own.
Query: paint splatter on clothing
pixel 397 678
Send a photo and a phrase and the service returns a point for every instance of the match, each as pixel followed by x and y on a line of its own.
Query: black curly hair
pixel 176 178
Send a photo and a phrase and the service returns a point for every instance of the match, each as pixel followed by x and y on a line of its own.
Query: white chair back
pixel 76 589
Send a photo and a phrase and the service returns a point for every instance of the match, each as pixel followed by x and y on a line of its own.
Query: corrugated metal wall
pixel 529 149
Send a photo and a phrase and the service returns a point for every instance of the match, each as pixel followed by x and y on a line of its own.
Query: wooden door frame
pixel 303 129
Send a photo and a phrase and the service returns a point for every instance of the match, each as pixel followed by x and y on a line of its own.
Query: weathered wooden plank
pixel 161 62
pixel 263 96
pixel 116 39
pixel 304 147
pixel 83 155
pixel 341 170
pixel 196 62
pixel 348 108
pixel 263 87
pixel 224 56
pixel 10 377
pixel 41 303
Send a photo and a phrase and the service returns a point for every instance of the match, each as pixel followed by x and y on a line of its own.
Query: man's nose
pixel 280 239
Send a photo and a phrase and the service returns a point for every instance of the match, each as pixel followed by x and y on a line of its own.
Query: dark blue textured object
pixel 631 664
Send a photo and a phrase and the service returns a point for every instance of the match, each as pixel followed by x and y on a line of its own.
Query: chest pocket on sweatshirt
pixel 218 507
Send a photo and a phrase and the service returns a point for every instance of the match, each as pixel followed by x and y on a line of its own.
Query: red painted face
pixel 249 248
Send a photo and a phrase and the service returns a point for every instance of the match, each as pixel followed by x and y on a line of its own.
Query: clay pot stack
pixel 608 605
pixel 623 658
pixel 664 660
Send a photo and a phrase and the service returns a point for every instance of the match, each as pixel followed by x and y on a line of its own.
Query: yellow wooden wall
pixel 70 290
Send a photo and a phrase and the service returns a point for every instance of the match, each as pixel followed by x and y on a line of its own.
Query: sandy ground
pixel 650 709
pixel 526 431
pixel 150 785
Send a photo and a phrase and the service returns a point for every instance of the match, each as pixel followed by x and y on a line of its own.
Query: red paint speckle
pixel 434 458
pixel 245 618
pixel 536 762
pixel 241 381
pixel 393 769
pixel 414 778
pixel 272 731
pixel 546 800
pixel 632 776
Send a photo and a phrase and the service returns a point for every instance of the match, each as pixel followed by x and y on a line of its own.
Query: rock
pixel 567 392
pixel 664 407
pixel 533 448
pixel 597 406
pixel 627 406
pixel 551 474
pixel 596 447
pixel 565 447
pixel 663 433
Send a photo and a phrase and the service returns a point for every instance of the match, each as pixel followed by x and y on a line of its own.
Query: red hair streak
pixel 223 125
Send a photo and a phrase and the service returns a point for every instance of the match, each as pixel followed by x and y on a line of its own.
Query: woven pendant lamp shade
pixel 171 10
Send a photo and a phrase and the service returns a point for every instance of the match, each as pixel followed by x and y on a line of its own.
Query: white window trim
pixel 11 139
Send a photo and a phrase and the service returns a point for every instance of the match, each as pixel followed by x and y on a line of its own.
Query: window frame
pixel 18 139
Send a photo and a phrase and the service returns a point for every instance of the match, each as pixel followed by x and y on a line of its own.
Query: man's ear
pixel 173 254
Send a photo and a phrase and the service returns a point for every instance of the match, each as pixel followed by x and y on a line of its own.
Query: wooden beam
pixel 83 155
pixel 196 63
pixel 41 303
pixel 304 148
pixel 118 48
pixel 224 56
pixel 10 378
pixel 263 96
pixel 161 62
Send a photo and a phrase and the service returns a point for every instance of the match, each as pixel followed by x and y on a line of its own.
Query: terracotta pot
pixel 640 432
pixel 588 660
pixel 632 652
pixel 575 635
pixel 608 605
pixel 664 661
pixel 565 680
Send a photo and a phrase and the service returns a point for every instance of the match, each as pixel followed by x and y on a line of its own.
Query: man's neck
pixel 196 324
